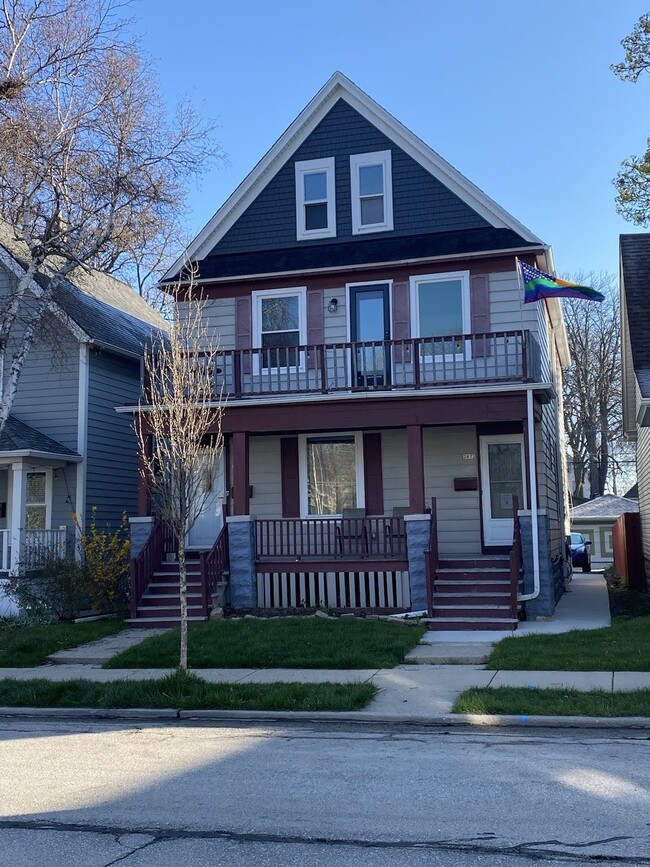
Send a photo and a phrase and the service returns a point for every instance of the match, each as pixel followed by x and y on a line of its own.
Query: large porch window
pixel 331 474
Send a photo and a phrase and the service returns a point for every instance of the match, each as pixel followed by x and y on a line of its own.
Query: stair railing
pixel 431 557
pixel 215 565
pixel 516 558
pixel 144 565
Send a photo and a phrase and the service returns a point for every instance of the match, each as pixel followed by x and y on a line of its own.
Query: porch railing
pixel 40 545
pixel 431 557
pixel 160 543
pixel 516 558
pixel 5 536
pixel 214 566
pixel 378 538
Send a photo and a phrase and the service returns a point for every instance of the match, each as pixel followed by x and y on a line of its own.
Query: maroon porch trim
pixel 289 468
pixel 241 473
pixel 373 479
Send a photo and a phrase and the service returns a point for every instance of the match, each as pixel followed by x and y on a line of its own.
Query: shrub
pixel 105 554
pixel 57 585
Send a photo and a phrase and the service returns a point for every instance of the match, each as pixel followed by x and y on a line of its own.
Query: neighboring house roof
pixel 633 493
pixel 635 277
pixel 340 87
pixel 107 310
pixel 607 506
pixel 18 437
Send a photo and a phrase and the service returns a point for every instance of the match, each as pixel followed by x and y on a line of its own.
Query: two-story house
pixel 64 451
pixel 390 400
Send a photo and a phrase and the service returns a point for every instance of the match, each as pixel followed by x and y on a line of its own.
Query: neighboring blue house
pixel 64 449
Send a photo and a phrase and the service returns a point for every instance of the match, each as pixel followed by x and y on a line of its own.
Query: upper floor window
pixel 279 326
pixel 440 307
pixel 372 192
pixel 315 199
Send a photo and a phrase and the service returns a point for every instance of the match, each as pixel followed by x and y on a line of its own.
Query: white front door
pixel 502 471
pixel 210 519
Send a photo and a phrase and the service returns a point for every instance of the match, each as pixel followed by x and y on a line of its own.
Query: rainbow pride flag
pixel 538 285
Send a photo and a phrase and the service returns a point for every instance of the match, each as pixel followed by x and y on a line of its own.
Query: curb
pixel 328 717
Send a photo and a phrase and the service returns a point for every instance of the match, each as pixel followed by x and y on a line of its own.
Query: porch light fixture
pixel 333 306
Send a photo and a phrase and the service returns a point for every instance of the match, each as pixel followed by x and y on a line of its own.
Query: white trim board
pixel 340 87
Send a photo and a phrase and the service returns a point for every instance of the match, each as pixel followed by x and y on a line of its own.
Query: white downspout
pixel 526 597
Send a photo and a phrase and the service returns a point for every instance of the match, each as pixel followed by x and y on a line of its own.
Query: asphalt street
pixel 91 794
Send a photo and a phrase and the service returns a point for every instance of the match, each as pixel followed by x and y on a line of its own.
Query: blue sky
pixel 516 94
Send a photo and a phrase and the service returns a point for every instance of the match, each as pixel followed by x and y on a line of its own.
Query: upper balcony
pixel 378 366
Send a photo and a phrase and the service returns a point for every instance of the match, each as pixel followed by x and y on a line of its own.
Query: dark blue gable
pixel 421 204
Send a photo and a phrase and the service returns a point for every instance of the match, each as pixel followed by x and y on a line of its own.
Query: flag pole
pixel 521 289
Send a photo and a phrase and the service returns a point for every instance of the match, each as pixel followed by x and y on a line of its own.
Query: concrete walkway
pixel 414 691
pixel 584 606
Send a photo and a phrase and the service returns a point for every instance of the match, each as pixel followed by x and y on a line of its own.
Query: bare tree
pixel 179 430
pixel 592 389
pixel 94 170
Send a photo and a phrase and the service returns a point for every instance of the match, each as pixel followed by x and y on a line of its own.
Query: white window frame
pixel 306 167
pixel 357 161
pixel 48 495
pixel 257 296
pixel 304 475
pixel 414 283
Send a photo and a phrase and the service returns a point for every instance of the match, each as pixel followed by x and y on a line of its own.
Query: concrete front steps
pixel 472 593
pixel 160 605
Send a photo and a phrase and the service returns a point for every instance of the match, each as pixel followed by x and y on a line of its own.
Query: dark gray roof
pixel 635 273
pixel 20 437
pixel 633 493
pixel 607 506
pixel 109 311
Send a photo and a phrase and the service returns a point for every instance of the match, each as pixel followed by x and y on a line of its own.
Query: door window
pixel 506 478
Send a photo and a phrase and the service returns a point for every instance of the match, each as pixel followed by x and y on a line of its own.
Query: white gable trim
pixel 341 87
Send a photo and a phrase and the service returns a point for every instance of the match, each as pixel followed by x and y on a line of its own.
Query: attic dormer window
pixel 372 192
pixel 315 199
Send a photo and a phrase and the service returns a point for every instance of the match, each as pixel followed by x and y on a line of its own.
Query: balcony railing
pixel 384 365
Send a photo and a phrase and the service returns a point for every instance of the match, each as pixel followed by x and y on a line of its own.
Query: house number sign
pixel 469 456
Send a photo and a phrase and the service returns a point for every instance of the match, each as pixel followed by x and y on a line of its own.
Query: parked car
pixel 580 553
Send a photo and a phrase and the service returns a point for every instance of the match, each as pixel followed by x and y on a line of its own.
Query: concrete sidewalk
pixel 414 691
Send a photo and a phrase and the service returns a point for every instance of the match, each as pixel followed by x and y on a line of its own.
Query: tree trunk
pixel 182 570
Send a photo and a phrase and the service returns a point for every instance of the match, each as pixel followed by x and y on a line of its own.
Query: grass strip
pixel 300 642
pixel 623 646
pixel 25 646
pixel 186 692
pixel 518 701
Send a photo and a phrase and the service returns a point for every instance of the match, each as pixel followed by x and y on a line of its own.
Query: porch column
pixel 17 517
pixel 415 468
pixel 241 481
pixel 144 488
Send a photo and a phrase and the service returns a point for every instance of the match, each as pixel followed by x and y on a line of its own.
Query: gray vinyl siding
pixel 112 454
pixel 643 478
pixel 63 498
pixel 265 477
pixel 219 318
pixel 335 328
pixel 420 202
pixel 509 313
pixel 549 481
pixel 459 512
pixel 394 463
pixel 48 391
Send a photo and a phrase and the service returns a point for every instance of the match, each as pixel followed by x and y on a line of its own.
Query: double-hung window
pixel 279 327
pixel 441 311
pixel 315 199
pixel 372 192
pixel 331 473
pixel 36 507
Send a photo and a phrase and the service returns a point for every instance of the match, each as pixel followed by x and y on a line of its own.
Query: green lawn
pixel 624 646
pixel 518 701
pixel 300 642
pixel 24 646
pixel 186 692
